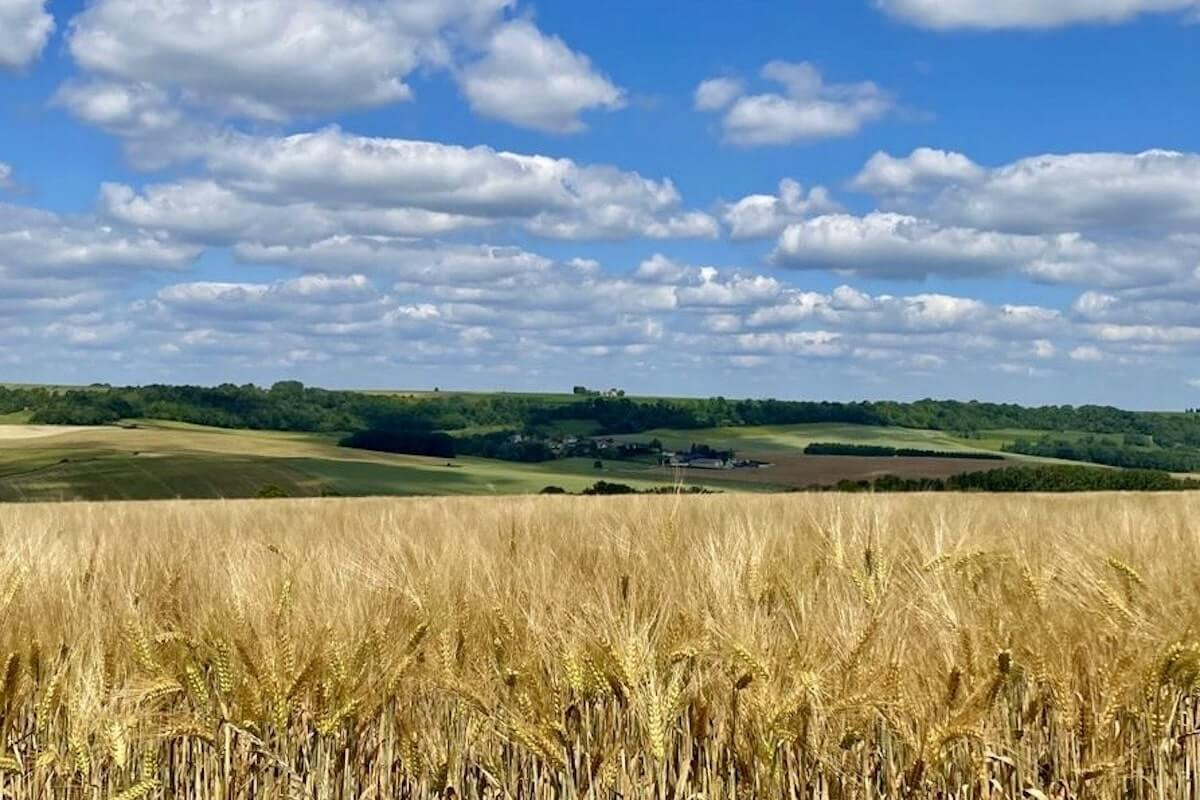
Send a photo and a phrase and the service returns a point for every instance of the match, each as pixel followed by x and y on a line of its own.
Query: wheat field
pixel 803 646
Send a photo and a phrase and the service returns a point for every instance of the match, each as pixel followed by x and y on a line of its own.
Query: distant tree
pixel 291 390
pixel 598 465
pixel 604 487
pixel 271 491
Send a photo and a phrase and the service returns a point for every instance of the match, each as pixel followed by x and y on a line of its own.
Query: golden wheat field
pixel 803 646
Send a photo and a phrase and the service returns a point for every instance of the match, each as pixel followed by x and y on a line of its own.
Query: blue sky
pixel 861 199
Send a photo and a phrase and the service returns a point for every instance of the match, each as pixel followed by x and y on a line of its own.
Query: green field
pixel 164 460
pixel 145 459
pixel 794 438
pixel 767 439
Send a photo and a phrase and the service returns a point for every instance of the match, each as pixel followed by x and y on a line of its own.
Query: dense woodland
pixel 1098 450
pixel 289 405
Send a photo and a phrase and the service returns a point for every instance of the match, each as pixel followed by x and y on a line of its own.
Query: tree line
pixel 291 406
pixel 881 451
pixel 608 488
pixel 1099 451
pixel 1048 478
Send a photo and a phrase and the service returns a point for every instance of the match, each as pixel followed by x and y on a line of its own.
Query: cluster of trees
pixel 880 451
pixel 608 488
pixel 708 451
pixel 500 444
pixel 529 446
pixel 1050 478
pixel 622 415
pixel 14 399
pixel 1102 451
pixel 413 443
pixel 505 445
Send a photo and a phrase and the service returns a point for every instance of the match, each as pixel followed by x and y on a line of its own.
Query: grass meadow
pixel 794 438
pixel 810 646
pixel 164 460
pixel 160 460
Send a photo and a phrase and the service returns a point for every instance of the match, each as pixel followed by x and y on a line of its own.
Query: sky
pixel 818 199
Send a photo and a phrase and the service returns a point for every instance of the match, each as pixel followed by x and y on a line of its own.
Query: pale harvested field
pixel 14 432
pixel 154 436
pixel 803 646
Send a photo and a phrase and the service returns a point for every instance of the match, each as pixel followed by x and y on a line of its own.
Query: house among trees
pixel 698 461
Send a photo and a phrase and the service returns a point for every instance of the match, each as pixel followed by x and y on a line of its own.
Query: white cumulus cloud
pixel 536 81
pixel 212 213
pixel 42 244
pixel 925 166
pixel 892 245
pixel 759 215
pixel 716 93
pixel 25 27
pixel 895 245
pixel 405 259
pixel 984 14
pixel 346 183
pixel 1087 353
pixel 263 59
pixel 808 108
pixel 1152 190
